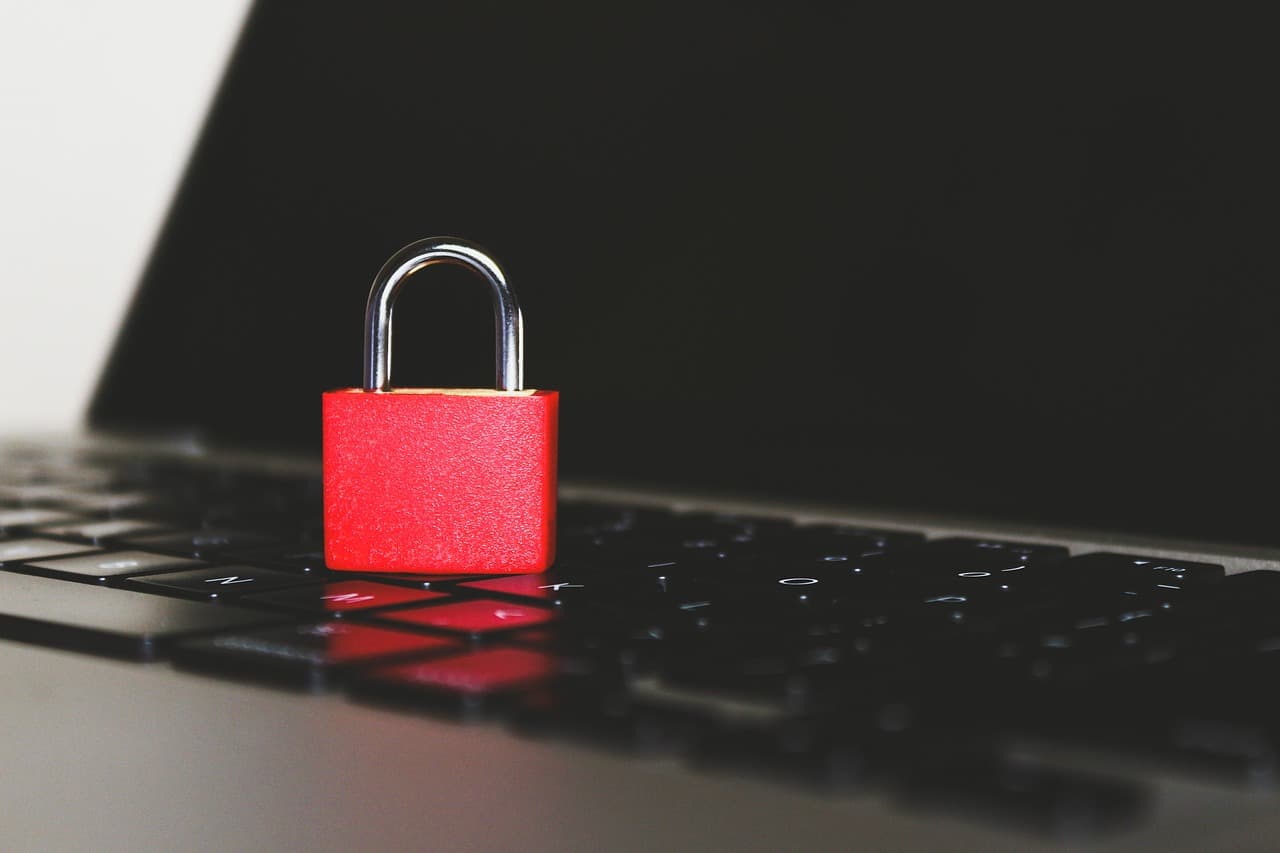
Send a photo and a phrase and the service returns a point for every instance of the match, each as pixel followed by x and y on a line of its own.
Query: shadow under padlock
pixel 440 480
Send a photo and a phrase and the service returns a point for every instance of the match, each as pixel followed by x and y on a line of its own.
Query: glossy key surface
pixel 467 683
pixel 202 543
pixel 34 548
pixel 479 616
pixel 343 596
pixel 107 566
pixel 106 621
pixel 98 532
pixel 311 654
pixel 217 581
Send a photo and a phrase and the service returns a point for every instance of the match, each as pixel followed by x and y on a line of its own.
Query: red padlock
pixel 440 480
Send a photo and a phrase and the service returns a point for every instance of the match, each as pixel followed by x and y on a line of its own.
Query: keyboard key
pixel 477 617
pixel 44 494
pixel 592 708
pixel 33 493
pixel 853 541
pixel 39 482
pixel 291 559
pixel 996 549
pixel 108 566
pixel 642 557
pixel 967 569
pixel 312 655
pixel 583 519
pixel 766 676
pixel 201 543
pixel 746 526
pixel 105 502
pixel 962 558
pixel 343 596
pixel 797 750
pixel 1143 574
pixel 179 513
pixel 820 582
pixel 218 582
pixel 1042 800
pixel 106 621
pixel 466 684
pixel 15 518
pixel 99 532
pixel 22 550
pixel 551 587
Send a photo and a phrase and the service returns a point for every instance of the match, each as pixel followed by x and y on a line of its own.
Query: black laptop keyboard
pixel 839 658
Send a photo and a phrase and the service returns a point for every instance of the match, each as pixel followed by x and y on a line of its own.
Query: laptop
pixel 915 447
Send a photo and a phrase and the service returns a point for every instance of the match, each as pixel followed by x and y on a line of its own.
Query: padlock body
pixel 440 481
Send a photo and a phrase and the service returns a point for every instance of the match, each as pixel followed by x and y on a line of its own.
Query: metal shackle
pixel 507 321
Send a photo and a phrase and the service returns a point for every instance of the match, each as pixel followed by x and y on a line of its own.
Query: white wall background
pixel 99 106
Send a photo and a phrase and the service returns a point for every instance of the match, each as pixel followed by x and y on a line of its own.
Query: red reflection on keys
pixel 358 595
pixel 486 671
pixel 347 642
pixel 479 616
pixel 536 637
pixel 528 586
pixel 342 596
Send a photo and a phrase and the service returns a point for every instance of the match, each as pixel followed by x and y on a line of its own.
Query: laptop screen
pixel 799 250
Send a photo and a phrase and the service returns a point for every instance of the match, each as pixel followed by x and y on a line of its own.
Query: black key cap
pixel 1243 750
pixel 106 621
pixel 1218 721
pixel 755 525
pixel 291 559
pixel 313 655
pixel 852 540
pixel 99 532
pixel 22 550
pixel 580 519
pixel 796 750
pixel 638 555
pixel 284 522
pixel 956 556
pixel 724 531
pixel 1143 574
pixel 180 513
pixel 218 582
pixel 959 567
pixel 1242 607
pixel 1042 800
pixel 341 597
pixel 1088 651
pixel 586 707
pixel 768 676
pixel 112 565
pixel 782 587
pixel 201 543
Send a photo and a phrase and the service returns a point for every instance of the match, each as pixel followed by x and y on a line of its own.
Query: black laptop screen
pixel 997 266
